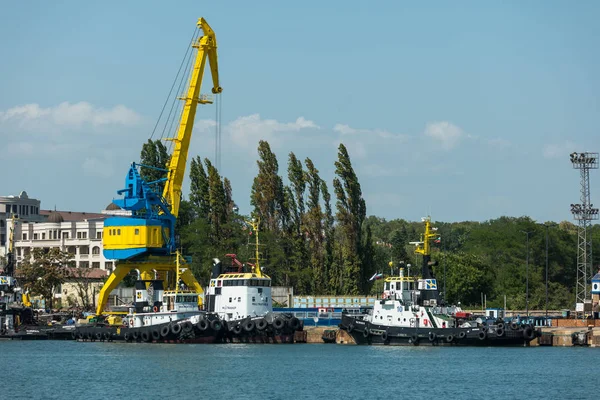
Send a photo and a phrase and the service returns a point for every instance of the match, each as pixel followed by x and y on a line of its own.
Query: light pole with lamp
pixel 527 275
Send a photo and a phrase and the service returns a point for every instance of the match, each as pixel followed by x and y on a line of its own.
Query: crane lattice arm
pixel 207 47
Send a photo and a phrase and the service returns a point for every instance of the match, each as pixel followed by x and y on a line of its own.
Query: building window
pixel 98 235
pixel 2 240
pixel 96 250
pixel 24 236
pixel 108 266
pixel 95 265
pixel 65 235
pixel 35 236
pixel 84 264
pixel 43 235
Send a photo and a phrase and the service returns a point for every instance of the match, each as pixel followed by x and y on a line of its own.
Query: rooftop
pixel 74 216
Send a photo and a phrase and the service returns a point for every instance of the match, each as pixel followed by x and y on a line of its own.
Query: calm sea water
pixel 60 370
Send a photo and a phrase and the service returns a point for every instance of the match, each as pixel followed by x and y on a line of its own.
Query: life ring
pixel 366 332
pixel 432 336
pixel 155 309
pixel 131 322
pixel 383 296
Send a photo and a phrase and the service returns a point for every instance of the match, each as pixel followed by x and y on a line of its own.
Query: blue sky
pixel 465 111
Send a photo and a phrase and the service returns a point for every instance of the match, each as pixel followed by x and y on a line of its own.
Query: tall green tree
pixel 313 226
pixel 351 212
pixel 154 154
pixel 199 193
pixel 267 189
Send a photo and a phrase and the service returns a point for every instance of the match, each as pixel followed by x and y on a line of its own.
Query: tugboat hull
pixel 210 330
pixel 367 333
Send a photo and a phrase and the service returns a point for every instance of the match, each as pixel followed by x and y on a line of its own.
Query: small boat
pixel 410 313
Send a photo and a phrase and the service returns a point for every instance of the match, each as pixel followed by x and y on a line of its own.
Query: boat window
pixel 387 286
pixel 239 299
pixel 253 299
pixel 219 283
pixel 230 299
pixel 246 282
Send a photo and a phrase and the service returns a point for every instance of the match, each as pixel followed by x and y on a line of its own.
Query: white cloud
pixel 99 166
pixel 561 150
pixel 346 130
pixel 445 133
pixel 247 131
pixel 67 115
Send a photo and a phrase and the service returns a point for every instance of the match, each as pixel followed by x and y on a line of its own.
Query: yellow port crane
pixel 144 239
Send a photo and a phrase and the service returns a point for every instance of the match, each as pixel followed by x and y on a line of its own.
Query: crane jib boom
pixel 207 48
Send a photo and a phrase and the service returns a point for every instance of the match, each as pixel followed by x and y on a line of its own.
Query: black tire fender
pixel 155 334
pixel 202 325
pixel 261 324
pixel 145 336
pixel 249 325
pixel 366 332
pixel 432 336
pixel 482 335
pixel 164 331
pixel 175 328
pixel 385 336
pixel 278 323
pixel 462 334
pixel 450 338
pixel 215 325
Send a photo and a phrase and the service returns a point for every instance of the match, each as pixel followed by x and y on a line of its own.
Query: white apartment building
pixel 77 233
pixel 21 206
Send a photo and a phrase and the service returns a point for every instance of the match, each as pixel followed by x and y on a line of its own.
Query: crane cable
pixel 194 34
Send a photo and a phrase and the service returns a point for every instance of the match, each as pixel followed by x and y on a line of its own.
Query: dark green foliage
pixel 154 154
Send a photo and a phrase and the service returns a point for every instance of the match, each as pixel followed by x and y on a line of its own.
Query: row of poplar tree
pixel 308 240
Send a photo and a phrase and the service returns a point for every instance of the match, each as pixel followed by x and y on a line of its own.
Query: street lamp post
pixel 527 275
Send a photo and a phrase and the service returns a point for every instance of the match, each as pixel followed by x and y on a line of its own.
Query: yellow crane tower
pixel 144 239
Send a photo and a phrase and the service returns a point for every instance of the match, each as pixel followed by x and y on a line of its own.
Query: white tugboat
pixel 240 295
pixel 410 313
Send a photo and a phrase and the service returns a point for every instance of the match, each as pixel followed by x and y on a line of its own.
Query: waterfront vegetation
pixel 321 241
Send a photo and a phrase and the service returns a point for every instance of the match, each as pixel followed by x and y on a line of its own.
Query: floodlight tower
pixel 584 213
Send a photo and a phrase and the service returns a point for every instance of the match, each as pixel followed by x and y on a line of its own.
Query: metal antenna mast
pixel 584 213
